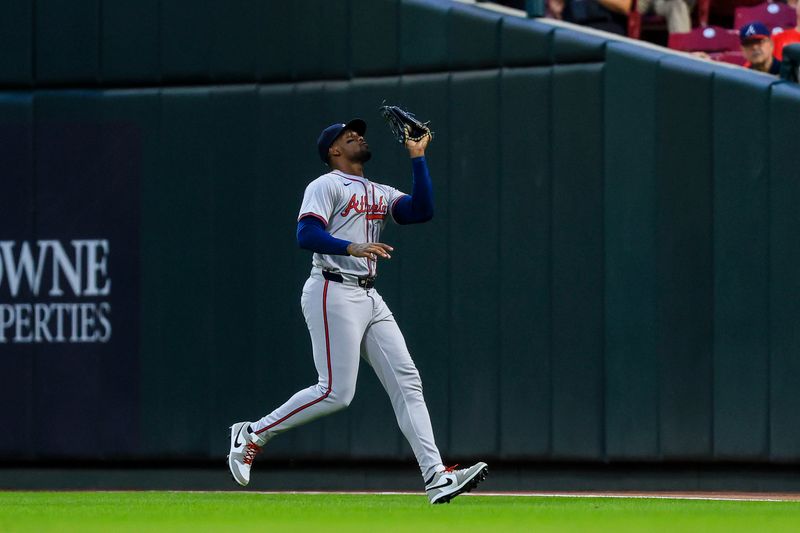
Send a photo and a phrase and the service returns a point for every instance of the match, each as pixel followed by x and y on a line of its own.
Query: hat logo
pixel 751 30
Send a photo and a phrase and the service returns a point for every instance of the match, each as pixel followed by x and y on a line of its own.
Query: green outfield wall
pixel 612 272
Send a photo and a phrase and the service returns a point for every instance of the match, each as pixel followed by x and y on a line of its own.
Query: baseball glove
pixel 404 125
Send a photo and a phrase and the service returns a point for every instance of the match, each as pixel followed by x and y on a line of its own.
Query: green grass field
pixel 185 511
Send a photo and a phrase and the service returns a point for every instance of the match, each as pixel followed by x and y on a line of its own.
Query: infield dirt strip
pixel 710 496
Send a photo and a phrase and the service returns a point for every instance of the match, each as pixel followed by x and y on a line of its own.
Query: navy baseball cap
pixel 332 132
pixel 755 31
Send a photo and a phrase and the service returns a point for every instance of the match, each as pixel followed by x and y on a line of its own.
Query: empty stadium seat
pixel 709 39
pixel 772 15
pixel 724 9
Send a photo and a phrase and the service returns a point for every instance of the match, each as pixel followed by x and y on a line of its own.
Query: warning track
pixel 709 496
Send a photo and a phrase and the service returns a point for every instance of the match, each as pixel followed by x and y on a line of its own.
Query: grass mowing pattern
pixel 196 512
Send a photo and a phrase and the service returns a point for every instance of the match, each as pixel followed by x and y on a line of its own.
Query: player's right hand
pixel 370 250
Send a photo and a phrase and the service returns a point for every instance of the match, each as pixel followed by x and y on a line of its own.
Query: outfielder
pixel 340 221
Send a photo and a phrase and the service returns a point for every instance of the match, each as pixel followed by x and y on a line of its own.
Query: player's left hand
pixel 417 148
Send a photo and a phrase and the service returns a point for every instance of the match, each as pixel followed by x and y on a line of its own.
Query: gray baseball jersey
pixel 353 209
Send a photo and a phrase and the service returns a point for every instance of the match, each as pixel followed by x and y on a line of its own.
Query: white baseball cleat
pixel 446 485
pixel 243 451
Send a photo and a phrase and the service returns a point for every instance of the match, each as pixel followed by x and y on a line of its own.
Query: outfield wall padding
pixel 610 274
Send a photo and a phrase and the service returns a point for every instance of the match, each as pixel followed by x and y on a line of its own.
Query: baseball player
pixel 340 220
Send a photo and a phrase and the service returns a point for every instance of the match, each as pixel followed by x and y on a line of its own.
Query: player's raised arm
pixel 417 207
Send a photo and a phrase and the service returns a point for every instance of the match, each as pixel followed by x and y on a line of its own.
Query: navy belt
pixel 364 283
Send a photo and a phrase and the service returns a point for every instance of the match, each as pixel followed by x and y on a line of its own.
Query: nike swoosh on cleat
pixel 236 442
pixel 447 483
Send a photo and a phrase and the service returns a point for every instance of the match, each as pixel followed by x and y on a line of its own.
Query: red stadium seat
pixel 732 57
pixel 724 9
pixel 772 15
pixel 709 39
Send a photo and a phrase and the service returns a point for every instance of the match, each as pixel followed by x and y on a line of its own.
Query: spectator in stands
pixel 757 48
pixel 677 12
pixel 787 36
pixel 554 9
pixel 606 15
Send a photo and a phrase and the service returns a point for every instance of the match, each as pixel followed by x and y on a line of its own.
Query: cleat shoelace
pixel 451 468
pixel 250 453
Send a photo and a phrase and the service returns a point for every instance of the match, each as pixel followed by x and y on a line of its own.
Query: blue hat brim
pixel 357 125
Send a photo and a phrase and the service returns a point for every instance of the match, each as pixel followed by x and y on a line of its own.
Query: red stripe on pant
pixel 330 372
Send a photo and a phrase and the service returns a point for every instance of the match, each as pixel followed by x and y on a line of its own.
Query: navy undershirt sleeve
pixel 418 207
pixel 311 235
